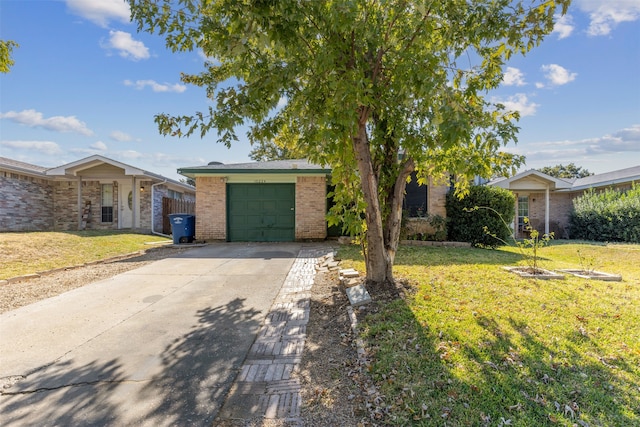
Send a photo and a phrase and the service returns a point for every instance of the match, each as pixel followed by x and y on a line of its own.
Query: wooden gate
pixel 171 206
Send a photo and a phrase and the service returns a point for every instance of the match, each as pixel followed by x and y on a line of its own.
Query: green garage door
pixel 261 212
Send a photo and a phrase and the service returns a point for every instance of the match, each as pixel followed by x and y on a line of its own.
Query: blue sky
pixel 85 82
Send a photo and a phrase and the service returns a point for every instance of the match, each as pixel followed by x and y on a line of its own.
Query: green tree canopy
pixel 6 61
pixel 568 171
pixel 359 82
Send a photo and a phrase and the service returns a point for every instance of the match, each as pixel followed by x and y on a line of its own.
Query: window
pixel 523 211
pixel 107 202
pixel 415 199
pixel 175 195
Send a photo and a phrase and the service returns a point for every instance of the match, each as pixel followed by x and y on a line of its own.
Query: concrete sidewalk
pixel 160 345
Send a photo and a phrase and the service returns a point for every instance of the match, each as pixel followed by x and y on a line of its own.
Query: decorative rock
pixel 349 283
pixel 349 273
pixel 358 295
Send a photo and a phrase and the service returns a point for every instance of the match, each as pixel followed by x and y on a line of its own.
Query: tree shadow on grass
pixel 507 375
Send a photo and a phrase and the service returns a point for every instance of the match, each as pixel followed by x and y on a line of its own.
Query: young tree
pixel 376 89
pixel 568 171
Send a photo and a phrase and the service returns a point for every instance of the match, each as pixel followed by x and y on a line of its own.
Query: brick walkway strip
pixel 264 387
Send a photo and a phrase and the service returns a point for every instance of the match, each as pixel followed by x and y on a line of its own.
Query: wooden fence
pixel 171 206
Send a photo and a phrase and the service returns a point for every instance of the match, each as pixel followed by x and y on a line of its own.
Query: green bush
pixel 607 216
pixel 481 217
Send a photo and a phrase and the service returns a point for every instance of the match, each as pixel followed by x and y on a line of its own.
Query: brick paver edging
pixel 264 387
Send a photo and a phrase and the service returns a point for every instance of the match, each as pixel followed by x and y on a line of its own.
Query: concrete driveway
pixel 159 345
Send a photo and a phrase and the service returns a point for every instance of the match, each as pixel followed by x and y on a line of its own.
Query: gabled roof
pixel 74 169
pixel 299 167
pixel 609 178
pixel 532 175
pixel 22 167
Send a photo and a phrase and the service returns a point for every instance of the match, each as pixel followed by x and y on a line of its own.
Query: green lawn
pixel 28 253
pixel 476 345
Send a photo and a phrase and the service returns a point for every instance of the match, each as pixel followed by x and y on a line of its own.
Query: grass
pixel 30 252
pixel 475 345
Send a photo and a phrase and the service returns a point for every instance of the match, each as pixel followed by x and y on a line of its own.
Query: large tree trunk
pixel 393 223
pixel 377 260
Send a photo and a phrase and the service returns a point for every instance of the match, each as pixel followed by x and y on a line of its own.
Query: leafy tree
pixel 377 89
pixel 282 147
pixel 188 181
pixel 6 48
pixel 568 171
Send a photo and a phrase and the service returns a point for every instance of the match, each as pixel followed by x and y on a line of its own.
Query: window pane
pixel 415 199
pixel 107 202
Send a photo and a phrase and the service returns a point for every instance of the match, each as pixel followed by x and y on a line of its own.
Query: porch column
pixel 546 211
pixel 134 202
pixel 79 203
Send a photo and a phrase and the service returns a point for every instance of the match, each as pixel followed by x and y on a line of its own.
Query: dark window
pixel 415 199
pixel 107 203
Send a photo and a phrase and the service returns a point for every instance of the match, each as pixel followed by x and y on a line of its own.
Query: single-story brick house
pixel 282 200
pixel 95 193
pixel 548 201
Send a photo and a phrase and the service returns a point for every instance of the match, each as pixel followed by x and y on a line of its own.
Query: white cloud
pixel 513 77
pixel 120 136
pixel 127 46
pixel 33 118
pixel 99 145
pixel 558 75
pixel 624 140
pixel 606 15
pixel 518 102
pixel 100 12
pixel 45 147
pixel 592 150
pixel 130 154
pixel 155 86
pixel 564 26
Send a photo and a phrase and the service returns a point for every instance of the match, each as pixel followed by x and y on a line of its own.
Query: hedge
pixel 607 216
pixel 481 217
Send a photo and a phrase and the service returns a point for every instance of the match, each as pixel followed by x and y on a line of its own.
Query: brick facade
pixel 26 203
pixel 211 208
pixel 311 205
pixel 34 201
pixel 437 198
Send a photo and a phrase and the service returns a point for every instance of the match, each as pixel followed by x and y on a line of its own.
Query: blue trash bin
pixel 183 227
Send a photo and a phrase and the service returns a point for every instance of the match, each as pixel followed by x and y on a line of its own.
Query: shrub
pixel 469 222
pixel 607 216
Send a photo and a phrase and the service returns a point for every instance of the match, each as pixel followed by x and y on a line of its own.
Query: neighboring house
pixel 95 193
pixel 548 201
pixel 282 200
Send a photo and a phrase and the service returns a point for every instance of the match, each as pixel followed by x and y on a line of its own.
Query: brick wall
pixel 560 207
pixel 145 205
pixel 437 199
pixel 25 203
pixel 311 202
pixel 65 206
pixel 211 208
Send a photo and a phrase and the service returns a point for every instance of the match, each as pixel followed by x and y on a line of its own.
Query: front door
pixel 125 202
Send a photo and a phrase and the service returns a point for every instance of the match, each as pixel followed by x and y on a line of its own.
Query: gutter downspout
pixel 153 207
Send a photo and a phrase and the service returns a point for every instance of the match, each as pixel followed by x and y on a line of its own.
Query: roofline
pixel 196 171
pixel 625 180
pixel 23 171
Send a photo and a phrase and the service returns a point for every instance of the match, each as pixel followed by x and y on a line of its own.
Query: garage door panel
pixel 261 212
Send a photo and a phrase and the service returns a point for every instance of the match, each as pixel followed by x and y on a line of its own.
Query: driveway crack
pixel 78 384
